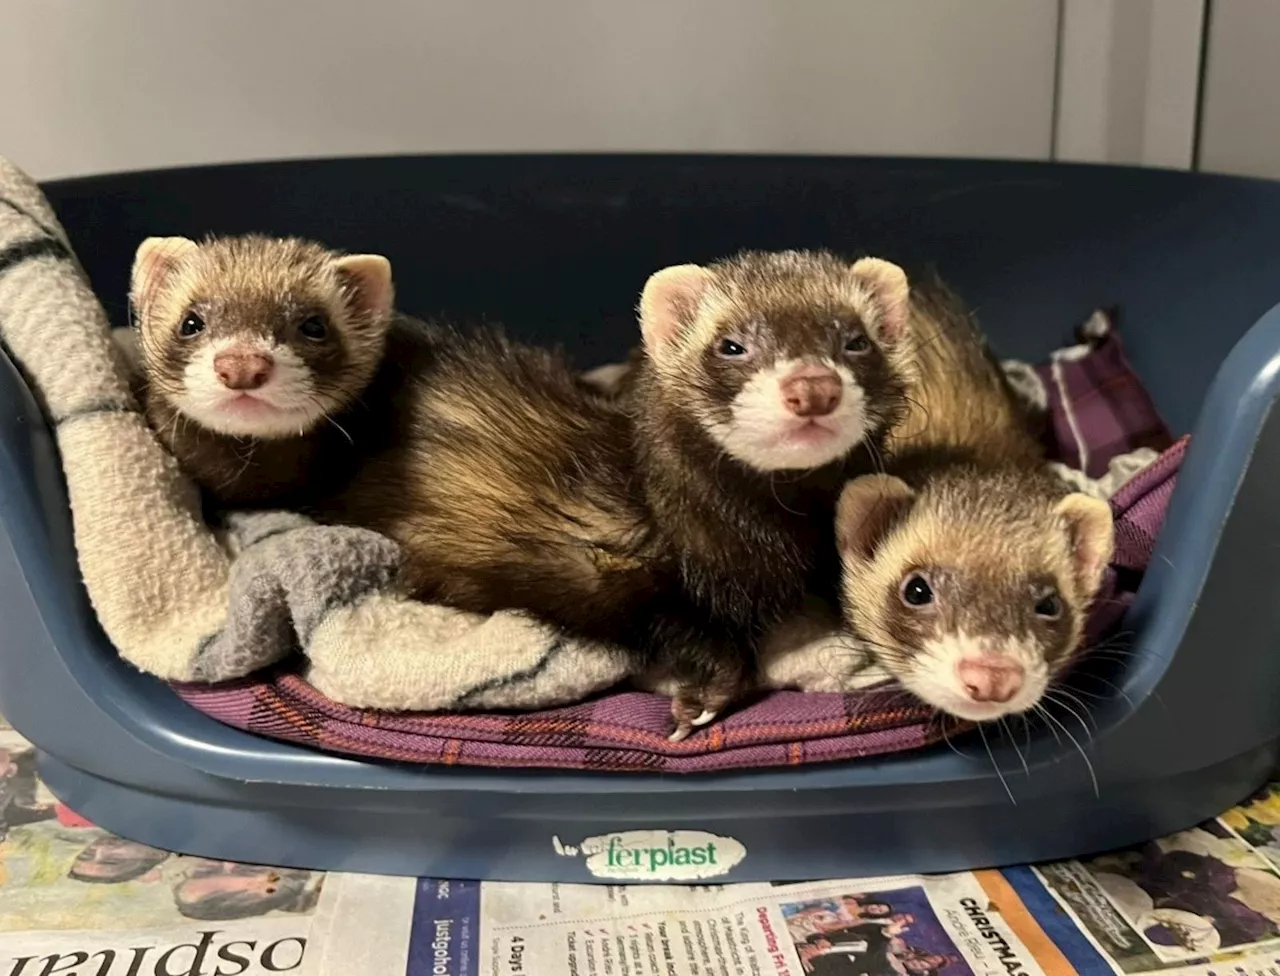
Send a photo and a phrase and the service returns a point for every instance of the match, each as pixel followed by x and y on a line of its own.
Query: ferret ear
pixel 891 294
pixel 155 259
pixel 1091 531
pixel 869 507
pixel 669 303
pixel 367 281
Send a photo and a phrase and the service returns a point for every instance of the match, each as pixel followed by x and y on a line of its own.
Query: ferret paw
pixel 693 708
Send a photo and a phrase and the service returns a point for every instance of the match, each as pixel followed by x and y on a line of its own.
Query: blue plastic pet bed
pixel 555 247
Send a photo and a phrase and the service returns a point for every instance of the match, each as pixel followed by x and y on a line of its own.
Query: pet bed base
pixel 1192 727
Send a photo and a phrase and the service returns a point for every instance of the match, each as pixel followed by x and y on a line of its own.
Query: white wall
pixel 1129 81
pixel 1240 120
pixel 123 84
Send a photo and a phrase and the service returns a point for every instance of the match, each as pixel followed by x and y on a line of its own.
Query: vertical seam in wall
pixel 1142 81
pixel 1055 108
pixel 1201 77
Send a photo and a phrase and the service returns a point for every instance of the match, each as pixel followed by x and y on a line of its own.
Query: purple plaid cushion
pixel 1098 408
pixel 623 731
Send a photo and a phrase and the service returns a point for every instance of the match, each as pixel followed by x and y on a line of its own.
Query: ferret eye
pixel 731 349
pixel 191 325
pixel 857 345
pixel 1049 606
pixel 916 591
pixel 313 328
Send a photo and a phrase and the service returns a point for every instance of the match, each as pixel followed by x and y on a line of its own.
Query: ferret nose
pixel 243 370
pixel 991 677
pixel 812 391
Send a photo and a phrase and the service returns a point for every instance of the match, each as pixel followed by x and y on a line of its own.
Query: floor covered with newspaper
pixel 77 901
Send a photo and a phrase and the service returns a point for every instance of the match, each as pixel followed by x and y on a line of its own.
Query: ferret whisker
pixel 1103 697
pixel 231 479
pixel 1084 707
pixel 1092 695
pixel 877 457
pixel 1113 645
pixel 848 643
pixel 1123 655
pixel 773 490
pixel 1110 684
pixel 996 766
pixel 885 651
pixel 1004 727
pixel 866 706
pixel 1123 648
pixel 1107 601
pixel 851 642
pixel 830 658
pixel 942 728
pixel 1093 776
pixel 1056 696
pixel 921 409
pixel 1119 637
pixel 901 698
pixel 329 419
pixel 1039 710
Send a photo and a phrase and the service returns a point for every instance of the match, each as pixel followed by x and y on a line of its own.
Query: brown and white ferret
pixel 968 567
pixel 254 350
pixel 680 524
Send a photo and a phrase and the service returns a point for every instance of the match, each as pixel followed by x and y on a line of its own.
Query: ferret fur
pixel 511 485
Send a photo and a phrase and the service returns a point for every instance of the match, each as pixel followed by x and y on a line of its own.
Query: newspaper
pixel 77 901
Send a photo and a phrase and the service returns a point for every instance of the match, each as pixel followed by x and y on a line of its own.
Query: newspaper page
pixel 1202 901
pixel 78 901
pixel 955 925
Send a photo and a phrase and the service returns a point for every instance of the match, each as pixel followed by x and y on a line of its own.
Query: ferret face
pixel 256 336
pixel 786 360
pixel 973 592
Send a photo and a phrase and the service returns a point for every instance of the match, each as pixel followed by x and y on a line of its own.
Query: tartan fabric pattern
pixel 1098 409
pixel 1139 507
pixel 1097 406
pixel 625 731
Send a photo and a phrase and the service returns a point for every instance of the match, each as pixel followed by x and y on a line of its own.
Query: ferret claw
pixel 686 715
pixel 694 710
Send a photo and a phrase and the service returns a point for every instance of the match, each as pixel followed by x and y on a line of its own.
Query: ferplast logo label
pixel 656 855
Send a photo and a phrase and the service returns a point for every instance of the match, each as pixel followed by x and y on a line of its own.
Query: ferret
pixel 969 567
pixel 680 523
pixel 255 351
